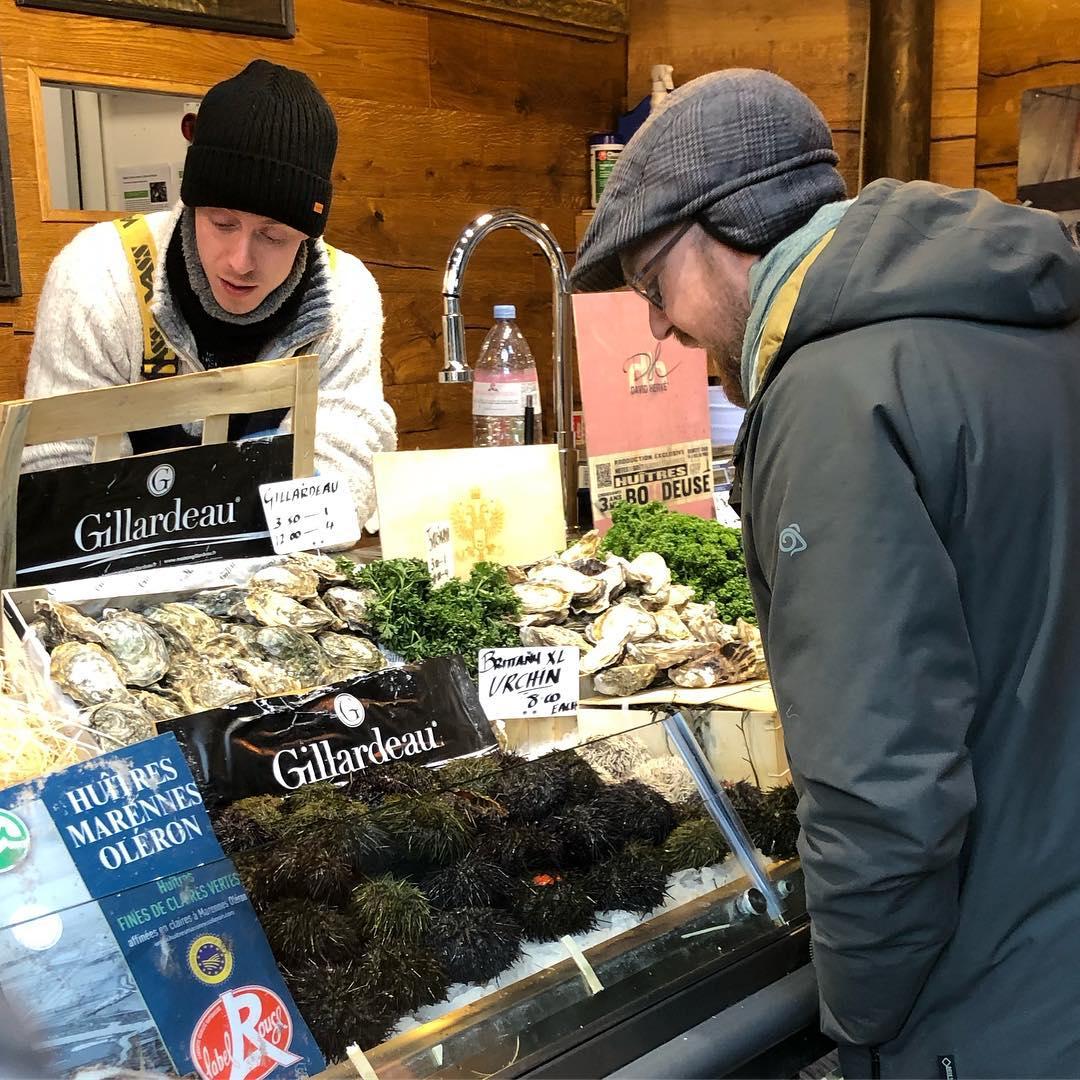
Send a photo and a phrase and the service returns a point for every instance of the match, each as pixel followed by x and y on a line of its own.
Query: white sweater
pixel 89 335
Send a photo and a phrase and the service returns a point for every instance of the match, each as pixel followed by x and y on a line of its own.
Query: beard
pixel 724 347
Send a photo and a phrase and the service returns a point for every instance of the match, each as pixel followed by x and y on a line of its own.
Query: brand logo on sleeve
pixel 792 540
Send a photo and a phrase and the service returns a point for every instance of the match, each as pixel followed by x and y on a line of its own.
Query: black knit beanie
pixel 264 143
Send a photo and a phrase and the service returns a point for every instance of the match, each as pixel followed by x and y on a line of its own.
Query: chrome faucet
pixel 457 370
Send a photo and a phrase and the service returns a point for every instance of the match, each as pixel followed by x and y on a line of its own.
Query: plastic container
pixel 504 381
pixel 604 151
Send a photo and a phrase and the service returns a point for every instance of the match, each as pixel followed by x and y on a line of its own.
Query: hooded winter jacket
pixel 910 491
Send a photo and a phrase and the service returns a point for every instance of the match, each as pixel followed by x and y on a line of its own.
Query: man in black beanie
pixel 909 482
pixel 240 274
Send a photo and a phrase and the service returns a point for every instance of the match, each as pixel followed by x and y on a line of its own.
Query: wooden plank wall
pixel 821 47
pixel 442 117
pixel 1024 45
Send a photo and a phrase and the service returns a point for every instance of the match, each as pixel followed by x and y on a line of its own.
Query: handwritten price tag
pixel 529 682
pixel 440 552
pixel 317 512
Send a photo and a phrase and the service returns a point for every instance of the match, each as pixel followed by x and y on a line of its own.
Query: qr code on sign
pixel 603 475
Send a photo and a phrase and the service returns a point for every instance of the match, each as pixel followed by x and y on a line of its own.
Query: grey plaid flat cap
pixel 743 151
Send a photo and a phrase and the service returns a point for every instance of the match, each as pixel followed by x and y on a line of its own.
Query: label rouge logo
pixel 210 960
pixel 161 480
pixel 14 841
pixel 244 1035
pixel 350 710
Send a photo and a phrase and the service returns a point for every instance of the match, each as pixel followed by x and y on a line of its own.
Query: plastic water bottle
pixel 504 380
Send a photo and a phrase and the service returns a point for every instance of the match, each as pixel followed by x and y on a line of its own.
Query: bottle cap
pixel 505 311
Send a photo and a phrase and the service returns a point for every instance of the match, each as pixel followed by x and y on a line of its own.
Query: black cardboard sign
pixel 192 505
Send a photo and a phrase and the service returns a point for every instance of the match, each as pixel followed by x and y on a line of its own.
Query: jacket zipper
pixel 875 1064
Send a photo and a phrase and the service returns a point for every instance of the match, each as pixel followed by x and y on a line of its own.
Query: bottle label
pixel 493 397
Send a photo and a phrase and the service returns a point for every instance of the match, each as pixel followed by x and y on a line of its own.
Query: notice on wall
pixel 126 937
pixel 312 514
pixel 646 409
pixel 146 187
pixel 529 682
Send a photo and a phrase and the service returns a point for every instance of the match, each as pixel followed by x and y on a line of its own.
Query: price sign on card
pixel 440 552
pixel 529 682
pixel 316 512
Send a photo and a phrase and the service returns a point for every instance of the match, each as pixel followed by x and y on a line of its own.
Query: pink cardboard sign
pixel 646 406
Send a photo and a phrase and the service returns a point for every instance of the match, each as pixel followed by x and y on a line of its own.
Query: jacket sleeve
pixel 354 420
pixel 86 328
pixel 874 678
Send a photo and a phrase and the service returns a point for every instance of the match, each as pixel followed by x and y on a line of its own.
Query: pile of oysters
pixel 635 627
pixel 294 626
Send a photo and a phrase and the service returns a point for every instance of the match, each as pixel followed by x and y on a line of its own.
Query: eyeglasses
pixel 646 282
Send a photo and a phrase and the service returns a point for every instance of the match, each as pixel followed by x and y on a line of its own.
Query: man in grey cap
pixel 910 496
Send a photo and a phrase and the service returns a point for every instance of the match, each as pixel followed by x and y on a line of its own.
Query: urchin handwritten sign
pixel 309 514
pixel 529 682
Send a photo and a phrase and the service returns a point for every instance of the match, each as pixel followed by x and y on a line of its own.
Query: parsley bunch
pixel 701 553
pixel 419 622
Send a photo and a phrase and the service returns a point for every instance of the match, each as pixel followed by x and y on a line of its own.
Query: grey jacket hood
pixel 920 250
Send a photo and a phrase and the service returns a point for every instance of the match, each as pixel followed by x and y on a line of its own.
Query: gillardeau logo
pixel 350 710
pixel 161 480
pixel 244 1035
pixel 14 841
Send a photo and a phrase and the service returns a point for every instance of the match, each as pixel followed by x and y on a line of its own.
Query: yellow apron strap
pixel 331 257
pixel 159 360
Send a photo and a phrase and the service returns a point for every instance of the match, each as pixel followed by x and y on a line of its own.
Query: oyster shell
pixel 136 645
pixel 583 589
pixel 157 706
pixel 227 603
pixel 681 595
pixel 272 608
pixel 224 646
pixel 324 566
pixel 320 605
pixel 603 654
pixel 87 673
pixel 299 654
pixel 585 548
pixel 556 636
pixel 657 600
pixel 121 723
pixel 288 580
pixel 703 623
pixel 614 579
pixel 626 621
pixel 265 679
pixel 625 679
pixel 591 567
pixel 244 632
pixel 650 571
pixel 355 655
pixel 666 654
pixel 217 688
pixel 538 598
pixel 732 662
pixel 669 626
pixel 350 605
pixel 516 576
pixel 41 629
pixel 183 626
pixel 66 623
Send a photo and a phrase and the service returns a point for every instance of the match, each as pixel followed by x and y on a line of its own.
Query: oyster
pixel 288 580
pixel 549 601
pixel 703 622
pixel 265 679
pixel 732 662
pixel 87 673
pixel 657 600
pixel 136 645
pixel 516 576
pixel 614 579
pixel 556 636
pixel 217 688
pixel 579 585
pixel 121 723
pixel 351 606
pixel 224 646
pixel 325 567
pixel 66 623
pixel 299 654
pixel 41 629
pixel 157 706
pixel 666 654
pixel 591 567
pixel 585 548
pixel 626 621
pixel 183 626
pixel 603 654
pixel 354 655
pixel 625 679
pixel 276 609
pixel 681 595
pixel 649 571
pixel 320 605
pixel 227 603
pixel 669 627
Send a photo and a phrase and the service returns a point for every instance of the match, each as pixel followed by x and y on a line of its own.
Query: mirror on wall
pixel 113 149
